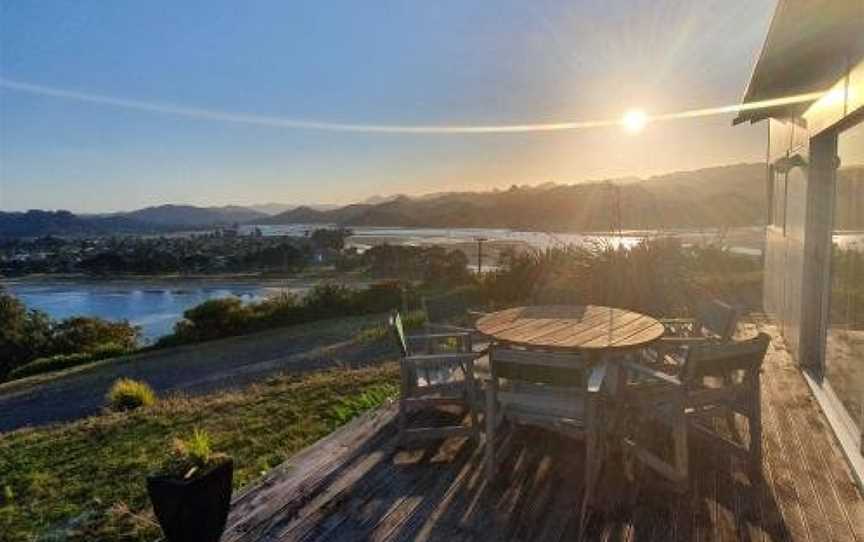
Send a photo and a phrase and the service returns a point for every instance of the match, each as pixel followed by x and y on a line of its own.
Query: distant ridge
pixel 725 196
pixel 36 223
pixel 276 208
pixel 731 195
pixel 191 216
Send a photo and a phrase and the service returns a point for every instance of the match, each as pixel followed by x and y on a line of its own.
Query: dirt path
pixel 205 367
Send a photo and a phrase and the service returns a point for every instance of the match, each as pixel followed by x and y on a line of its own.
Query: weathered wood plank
pixel 353 486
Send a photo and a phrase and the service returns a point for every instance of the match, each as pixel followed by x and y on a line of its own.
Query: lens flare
pixel 634 120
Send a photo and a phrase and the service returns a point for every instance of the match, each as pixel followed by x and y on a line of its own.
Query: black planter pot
pixel 193 510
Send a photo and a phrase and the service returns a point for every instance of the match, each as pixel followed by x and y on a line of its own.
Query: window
pixel 844 352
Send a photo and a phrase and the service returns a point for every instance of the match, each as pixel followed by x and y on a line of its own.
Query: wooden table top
pixel 571 327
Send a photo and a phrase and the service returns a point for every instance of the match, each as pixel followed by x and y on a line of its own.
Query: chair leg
pixel 755 426
pixel 593 462
pixel 491 418
pixel 404 393
pixel 471 394
pixel 681 450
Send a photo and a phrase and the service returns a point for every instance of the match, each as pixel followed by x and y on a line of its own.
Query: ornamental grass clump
pixel 192 456
pixel 128 394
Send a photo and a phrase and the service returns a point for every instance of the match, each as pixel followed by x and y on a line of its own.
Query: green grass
pixel 65 361
pixel 86 480
pixel 410 320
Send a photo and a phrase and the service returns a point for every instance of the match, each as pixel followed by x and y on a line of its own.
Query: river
pixel 156 304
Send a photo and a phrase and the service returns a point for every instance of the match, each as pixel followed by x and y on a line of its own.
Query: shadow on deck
pixel 354 485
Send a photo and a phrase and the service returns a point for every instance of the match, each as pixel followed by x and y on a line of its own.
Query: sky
pixel 101 102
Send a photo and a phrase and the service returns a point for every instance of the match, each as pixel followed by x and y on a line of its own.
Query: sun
pixel 634 120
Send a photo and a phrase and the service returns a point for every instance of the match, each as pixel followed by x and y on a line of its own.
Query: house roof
pixel 810 45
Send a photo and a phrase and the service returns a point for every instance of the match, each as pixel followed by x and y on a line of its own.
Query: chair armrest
pixel 651 373
pixel 679 326
pixel 684 340
pixel 677 320
pixel 446 328
pixel 450 335
pixel 439 359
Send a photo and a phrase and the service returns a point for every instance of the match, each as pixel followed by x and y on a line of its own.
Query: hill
pixel 720 196
pixel 35 223
pixel 276 208
pixel 192 216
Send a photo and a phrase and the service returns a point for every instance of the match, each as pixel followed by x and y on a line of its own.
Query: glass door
pixel 844 349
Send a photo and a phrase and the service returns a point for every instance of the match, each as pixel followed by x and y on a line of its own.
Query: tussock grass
pixel 86 480
pixel 128 394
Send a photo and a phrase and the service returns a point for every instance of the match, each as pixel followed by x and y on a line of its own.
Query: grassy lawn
pixel 86 480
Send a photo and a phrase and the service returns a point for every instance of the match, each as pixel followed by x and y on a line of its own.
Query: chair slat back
pixel 718 318
pixel 559 369
pixel 722 359
pixel 399 332
pixel 445 308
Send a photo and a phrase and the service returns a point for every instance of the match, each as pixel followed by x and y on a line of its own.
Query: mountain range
pixel 719 196
pixel 732 195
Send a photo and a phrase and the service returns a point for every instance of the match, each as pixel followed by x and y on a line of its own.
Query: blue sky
pixel 382 62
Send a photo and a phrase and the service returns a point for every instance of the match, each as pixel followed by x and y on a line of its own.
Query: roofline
pixel 740 118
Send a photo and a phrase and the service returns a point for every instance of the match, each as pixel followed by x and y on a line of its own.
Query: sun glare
pixel 634 120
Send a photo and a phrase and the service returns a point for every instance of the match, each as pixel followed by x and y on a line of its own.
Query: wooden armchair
pixel 556 391
pixel 716 380
pixel 430 378
pixel 715 321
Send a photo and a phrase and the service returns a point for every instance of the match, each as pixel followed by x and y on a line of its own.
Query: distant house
pixel 814 257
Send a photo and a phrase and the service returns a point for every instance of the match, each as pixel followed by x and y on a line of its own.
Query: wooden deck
pixel 354 486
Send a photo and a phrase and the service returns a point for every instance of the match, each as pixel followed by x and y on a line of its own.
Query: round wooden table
pixel 591 328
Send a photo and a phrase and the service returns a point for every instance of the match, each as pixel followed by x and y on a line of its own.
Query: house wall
pixel 785 235
pixel 798 247
pixel 797 250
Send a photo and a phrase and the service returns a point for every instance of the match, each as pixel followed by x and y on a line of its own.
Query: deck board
pixel 356 485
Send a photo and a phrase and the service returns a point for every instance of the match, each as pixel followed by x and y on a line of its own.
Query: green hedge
pixel 64 361
pixel 227 317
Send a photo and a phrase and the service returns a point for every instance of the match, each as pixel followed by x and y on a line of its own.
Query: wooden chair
pixel 557 391
pixel 715 321
pixel 716 380
pixel 430 378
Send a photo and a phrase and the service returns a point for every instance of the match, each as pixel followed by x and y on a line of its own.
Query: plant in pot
pixel 191 494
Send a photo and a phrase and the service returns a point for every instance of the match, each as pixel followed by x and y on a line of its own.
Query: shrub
pixel 87 334
pixel 128 394
pixel 283 308
pixel 213 319
pixel 218 318
pixel 64 361
pixel 52 363
pixel 24 335
pixel 328 300
pixel 657 276
pixel 379 297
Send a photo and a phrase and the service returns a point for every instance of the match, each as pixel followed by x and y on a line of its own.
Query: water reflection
pixel 155 308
